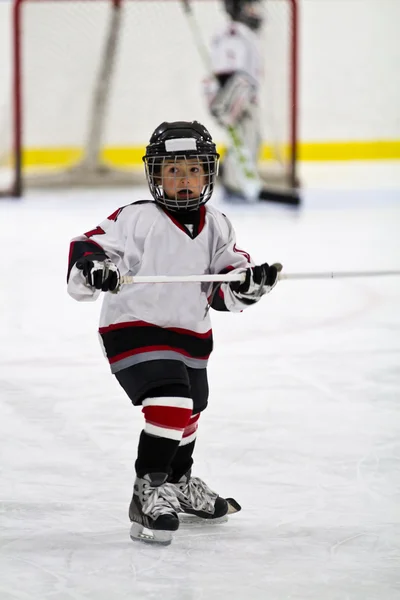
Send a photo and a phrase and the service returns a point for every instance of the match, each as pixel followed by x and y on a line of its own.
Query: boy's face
pixel 183 179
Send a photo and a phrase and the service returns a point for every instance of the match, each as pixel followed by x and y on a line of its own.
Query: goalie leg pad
pixel 232 100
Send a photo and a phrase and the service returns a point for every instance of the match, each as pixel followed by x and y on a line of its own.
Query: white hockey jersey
pixel 168 320
pixel 236 48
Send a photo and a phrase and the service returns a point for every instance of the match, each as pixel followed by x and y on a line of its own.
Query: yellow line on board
pixel 352 150
pixel 307 151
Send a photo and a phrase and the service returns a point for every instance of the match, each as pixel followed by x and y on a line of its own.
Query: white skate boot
pixel 153 509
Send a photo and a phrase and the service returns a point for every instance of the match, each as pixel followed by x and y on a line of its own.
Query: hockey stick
pixel 250 180
pixel 337 274
pixel 128 280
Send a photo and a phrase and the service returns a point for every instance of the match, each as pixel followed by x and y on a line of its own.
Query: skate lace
pixel 198 495
pixel 161 500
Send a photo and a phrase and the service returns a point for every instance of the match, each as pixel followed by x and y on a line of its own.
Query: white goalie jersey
pixel 235 48
pixel 167 320
pixel 236 66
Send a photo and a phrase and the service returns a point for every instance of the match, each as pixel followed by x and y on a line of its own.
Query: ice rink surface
pixel 303 425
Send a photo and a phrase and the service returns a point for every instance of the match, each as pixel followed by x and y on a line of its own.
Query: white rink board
pixel 348 90
pixel 158 74
pixel 302 426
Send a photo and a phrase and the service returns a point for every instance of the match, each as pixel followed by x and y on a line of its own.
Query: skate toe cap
pixel 167 522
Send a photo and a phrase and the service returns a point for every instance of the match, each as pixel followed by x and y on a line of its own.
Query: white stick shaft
pixel 337 274
pixel 127 279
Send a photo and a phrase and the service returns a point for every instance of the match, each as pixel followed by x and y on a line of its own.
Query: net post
pixel 17 150
pixel 294 96
pixel 102 89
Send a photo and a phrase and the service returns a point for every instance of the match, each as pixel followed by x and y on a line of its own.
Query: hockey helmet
pixel 177 151
pixel 248 12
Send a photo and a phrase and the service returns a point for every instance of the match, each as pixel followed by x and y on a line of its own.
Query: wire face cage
pixel 90 78
pixel 181 182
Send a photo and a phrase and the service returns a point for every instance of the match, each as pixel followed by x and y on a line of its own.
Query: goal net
pixel 91 79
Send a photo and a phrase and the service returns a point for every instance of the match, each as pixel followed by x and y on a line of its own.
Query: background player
pixel 233 96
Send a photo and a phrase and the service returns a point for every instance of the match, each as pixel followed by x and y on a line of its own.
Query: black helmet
pixel 248 12
pixel 186 147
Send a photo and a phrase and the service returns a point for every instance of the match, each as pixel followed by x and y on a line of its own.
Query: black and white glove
pixel 99 272
pixel 259 281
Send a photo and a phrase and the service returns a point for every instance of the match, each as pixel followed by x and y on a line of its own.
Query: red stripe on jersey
pixel 243 252
pixel 96 231
pixel 227 269
pixel 169 417
pixel 114 215
pixel 202 218
pixel 204 335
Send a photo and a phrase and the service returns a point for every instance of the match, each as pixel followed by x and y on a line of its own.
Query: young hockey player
pixel 157 337
pixel 233 97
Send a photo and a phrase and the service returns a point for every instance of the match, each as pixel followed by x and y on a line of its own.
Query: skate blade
pixel 187 519
pixel 139 533
pixel 233 506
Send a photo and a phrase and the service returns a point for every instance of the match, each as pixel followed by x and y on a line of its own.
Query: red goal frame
pixel 17 186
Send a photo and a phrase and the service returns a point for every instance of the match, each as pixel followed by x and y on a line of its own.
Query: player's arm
pixel 235 296
pixel 94 258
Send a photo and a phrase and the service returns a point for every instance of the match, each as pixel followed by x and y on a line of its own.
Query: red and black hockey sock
pixel 167 413
pixel 183 460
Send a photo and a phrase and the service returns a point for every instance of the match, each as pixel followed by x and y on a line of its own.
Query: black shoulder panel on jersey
pixel 142 202
pixel 114 216
pixel 79 249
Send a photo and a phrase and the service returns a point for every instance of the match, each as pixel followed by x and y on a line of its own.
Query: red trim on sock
pixel 192 426
pixel 169 417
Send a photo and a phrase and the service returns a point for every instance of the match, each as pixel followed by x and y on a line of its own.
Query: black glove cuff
pixel 241 287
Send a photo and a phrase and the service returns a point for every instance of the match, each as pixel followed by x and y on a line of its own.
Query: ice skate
pixel 199 503
pixel 153 509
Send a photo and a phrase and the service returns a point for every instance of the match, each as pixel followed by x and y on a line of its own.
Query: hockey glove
pixel 259 281
pixel 99 272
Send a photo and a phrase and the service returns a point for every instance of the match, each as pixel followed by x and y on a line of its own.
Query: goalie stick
pixel 250 181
